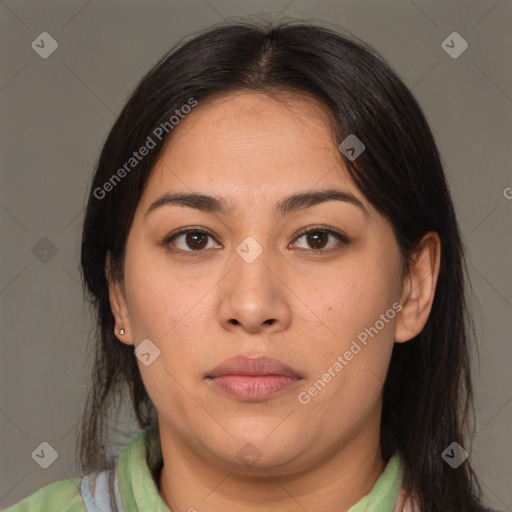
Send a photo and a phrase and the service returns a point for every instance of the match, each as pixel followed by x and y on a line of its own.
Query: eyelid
pixel 322 227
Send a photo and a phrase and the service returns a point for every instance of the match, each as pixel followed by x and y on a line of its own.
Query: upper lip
pixel 242 365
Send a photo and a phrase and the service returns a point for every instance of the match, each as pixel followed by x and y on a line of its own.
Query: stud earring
pixel 121 331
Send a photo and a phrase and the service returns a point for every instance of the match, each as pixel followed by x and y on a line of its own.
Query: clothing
pixel 130 486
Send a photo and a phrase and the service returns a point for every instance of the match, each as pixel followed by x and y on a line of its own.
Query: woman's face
pixel 251 285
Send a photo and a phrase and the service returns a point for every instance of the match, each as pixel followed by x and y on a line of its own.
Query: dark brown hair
pixel 428 392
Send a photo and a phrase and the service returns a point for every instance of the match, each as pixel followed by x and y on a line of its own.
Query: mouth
pixel 253 379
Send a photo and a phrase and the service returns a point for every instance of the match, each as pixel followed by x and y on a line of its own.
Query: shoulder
pixel 61 496
pixel 126 485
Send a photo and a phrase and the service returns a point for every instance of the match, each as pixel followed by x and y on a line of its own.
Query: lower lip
pixel 253 388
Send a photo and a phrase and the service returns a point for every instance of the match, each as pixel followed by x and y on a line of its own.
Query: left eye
pixel 317 238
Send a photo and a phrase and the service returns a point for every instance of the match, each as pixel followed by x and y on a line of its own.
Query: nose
pixel 254 297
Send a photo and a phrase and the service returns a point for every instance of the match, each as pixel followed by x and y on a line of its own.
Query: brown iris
pixel 198 240
pixel 315 239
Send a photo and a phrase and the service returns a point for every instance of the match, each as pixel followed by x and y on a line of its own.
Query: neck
pixel 192 482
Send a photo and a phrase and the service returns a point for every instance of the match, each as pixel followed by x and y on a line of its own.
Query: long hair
pixel 427 401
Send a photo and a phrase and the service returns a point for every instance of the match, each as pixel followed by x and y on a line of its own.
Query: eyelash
pixel 203 231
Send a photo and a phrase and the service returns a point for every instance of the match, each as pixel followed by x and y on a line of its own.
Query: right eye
pixel 189 240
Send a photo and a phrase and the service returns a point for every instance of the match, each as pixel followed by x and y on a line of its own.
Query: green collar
pixel 138 489
pixel 143 454
pixel 385 492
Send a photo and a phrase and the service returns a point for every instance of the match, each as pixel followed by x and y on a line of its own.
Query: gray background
pixel 56 112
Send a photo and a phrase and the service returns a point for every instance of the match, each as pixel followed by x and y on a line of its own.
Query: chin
pixel 261 454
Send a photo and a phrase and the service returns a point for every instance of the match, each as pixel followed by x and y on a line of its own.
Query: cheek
pixel 168 306
pixel 153 307
pixel 353 296
pixel 357 306
pixel 160 295
pixel 163 307
pixel 351 365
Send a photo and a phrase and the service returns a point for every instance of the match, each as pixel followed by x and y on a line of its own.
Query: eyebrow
pixel 214 204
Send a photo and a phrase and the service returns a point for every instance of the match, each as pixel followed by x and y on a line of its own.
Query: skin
pixel 304 309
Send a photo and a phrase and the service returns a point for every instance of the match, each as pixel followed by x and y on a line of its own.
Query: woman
pixel 278 276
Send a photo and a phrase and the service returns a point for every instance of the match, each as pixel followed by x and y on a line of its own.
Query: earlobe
pixel 419 288
pixel 118 304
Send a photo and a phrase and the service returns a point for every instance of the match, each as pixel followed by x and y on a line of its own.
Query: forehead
pixel 251 144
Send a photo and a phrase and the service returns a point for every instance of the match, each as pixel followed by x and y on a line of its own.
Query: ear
pixel 419 288
pixel 118 303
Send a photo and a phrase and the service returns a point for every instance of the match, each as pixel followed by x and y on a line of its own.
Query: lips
pixel 253 379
